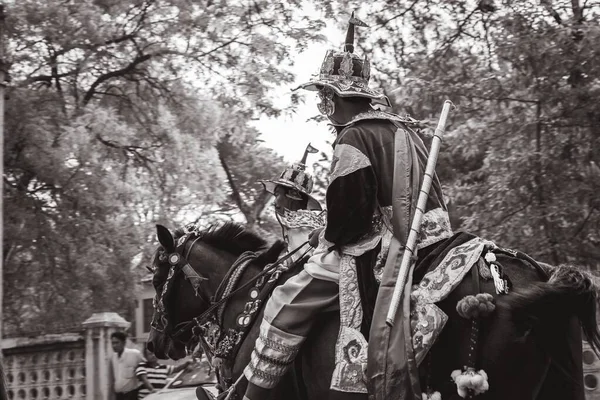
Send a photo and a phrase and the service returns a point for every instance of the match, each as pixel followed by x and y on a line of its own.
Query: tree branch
pixel 579 229
pixel 235 193
pixel 113 74
pixel 48 78
pixel 577 11
pixel 129 150
pixel 260 203
pixel 548 6
pixel 448 43
pixel 402 14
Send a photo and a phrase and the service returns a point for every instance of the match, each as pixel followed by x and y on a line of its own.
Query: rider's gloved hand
pixel 313 237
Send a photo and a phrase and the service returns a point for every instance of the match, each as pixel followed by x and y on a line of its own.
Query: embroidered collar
pixel 376 114
pixel 302 219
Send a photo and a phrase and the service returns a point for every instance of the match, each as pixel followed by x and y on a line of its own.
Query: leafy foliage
pixel 117 118
pixel 521 154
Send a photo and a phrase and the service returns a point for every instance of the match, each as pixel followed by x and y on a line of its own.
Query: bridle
pixel 178 260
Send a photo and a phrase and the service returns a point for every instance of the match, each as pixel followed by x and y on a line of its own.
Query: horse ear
pixel 165 238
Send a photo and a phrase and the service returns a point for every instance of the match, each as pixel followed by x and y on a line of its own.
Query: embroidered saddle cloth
pixel 446 266
pixel 426 318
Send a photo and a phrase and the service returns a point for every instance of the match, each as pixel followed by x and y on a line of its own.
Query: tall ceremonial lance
pixel 416 222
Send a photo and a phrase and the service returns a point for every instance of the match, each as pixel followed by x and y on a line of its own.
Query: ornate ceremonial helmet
pixel 294 177
pixel 346 73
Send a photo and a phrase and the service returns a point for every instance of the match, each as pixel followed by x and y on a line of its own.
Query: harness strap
pixel 193 277
pixel 227 347
pixel 258 295
pixel 269 268
pixel 206 314
pixel 224 288
pixel 230 280
pixel 189 272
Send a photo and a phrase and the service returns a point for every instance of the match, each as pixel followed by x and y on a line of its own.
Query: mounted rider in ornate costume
pixel 296 210
pixel 377 168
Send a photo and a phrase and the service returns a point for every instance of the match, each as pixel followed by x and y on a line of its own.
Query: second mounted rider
pixel 296 209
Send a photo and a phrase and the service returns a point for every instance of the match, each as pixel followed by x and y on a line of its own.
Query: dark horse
pixel 530 346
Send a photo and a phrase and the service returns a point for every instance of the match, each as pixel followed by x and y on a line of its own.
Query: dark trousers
pixel 132 395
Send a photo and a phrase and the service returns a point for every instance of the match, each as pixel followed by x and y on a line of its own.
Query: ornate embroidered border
pixel 303 218
pixel 351 346
pixel 228 343
pixel 271 357
pixel 427 319
pixel 375 114
pixel 362 82
pixel 435 226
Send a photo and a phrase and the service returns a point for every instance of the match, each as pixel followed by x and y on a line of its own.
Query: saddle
pixel 428 259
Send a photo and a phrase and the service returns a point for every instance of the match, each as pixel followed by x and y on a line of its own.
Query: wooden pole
pixel 3 74
pixel 411 243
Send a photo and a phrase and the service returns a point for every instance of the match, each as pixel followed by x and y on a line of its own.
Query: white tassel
pixel 477 381
pixel 432 396
pixel 498 281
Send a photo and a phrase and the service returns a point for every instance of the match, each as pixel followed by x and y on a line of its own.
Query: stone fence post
pixel 98 351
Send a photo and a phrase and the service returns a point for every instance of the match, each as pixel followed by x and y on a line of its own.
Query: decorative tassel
pixel 432 396
pixel 500 281
pixel 484 270
pixel 470 382
pixel 480 305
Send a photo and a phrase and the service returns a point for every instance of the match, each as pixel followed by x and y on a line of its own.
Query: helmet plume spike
pixel 309 149
pixel 349 43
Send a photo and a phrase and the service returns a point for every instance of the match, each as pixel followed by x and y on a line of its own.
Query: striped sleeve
pixel 352 192
pixel 141 369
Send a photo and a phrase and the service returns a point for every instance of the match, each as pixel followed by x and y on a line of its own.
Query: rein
pixel 216 304
pixel 219 342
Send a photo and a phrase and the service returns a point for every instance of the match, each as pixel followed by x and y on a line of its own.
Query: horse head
pixel 188 269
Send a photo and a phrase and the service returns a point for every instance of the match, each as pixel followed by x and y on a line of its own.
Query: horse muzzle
pixel 163 347
pixel 157 344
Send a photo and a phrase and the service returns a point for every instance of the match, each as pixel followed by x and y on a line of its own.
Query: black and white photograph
pixel 300 199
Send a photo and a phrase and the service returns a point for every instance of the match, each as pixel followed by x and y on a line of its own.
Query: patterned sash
pixel 351 347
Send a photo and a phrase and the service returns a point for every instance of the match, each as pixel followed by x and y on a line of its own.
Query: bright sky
pixel 289 135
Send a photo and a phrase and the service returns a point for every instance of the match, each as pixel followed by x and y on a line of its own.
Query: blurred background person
pixel 153 375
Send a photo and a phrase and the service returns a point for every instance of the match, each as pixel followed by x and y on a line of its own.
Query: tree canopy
pixel 521 154
pixel 126 113
pixel 122 114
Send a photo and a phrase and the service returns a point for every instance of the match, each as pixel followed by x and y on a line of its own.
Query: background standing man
pixel 122 367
